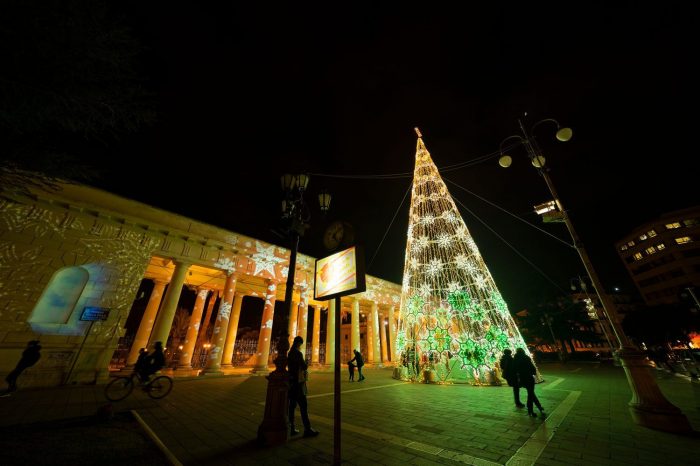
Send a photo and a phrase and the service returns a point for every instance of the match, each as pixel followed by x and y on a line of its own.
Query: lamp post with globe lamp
pixel 648 405
pixel 296 216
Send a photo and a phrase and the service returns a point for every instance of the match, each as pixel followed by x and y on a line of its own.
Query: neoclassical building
pixel 73 259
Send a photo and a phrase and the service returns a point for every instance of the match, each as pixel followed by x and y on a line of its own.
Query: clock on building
pixel 338 234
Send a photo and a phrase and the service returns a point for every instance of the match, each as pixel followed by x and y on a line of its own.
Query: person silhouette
pixel 297 388
pixel 508 371
pixel 359 362
pixel 30 356
pixel 525 370
pixel 151 362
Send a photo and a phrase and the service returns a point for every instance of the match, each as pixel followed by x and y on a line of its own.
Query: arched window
pixel 60 297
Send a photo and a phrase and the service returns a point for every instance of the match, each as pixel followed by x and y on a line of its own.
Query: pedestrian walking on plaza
pixel 30 356
pixel 508 371
pixel 525 370
pixel 351 369
pixel 360 362
pixel 298 373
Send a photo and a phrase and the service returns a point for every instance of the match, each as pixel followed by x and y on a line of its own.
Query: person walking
pixel 508 371
pixel 297 388
pixel 359 362
pixel 30 356
pixel 525 370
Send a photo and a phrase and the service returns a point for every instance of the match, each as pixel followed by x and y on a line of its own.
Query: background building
pixel 663 256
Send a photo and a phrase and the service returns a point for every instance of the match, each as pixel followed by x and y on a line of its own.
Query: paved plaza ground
pixel 212 421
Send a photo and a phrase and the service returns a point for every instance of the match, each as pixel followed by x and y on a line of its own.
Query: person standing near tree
pixel 508 371
pixel 30 356
pixel 525 370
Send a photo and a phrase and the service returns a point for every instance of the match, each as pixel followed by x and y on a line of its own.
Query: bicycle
pixel 122 386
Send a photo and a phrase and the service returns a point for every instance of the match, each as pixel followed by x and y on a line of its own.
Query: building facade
pixel 663 256
pixel 72 261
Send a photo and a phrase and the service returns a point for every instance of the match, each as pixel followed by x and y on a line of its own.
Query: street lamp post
pixel 648 405
pixel 296 215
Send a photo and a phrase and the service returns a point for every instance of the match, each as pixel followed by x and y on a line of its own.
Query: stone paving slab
pixel 214 420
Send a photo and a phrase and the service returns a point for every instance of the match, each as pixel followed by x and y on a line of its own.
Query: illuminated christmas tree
pixel 453 319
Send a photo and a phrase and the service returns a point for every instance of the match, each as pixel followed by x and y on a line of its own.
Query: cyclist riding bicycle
pixel 151 363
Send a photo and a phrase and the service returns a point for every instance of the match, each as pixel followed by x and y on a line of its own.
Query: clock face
pixel 333 235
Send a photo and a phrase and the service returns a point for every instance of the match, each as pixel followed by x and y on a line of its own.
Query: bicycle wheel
pixel 119 388
pixel 160 387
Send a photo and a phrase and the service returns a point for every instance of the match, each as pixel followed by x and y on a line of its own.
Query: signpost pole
pixel 336 387
pixel 75 360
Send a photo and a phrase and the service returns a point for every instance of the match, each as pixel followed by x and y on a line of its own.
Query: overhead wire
pixel 509 213
pixel 444 169
pixel 389 227
pixel 510 246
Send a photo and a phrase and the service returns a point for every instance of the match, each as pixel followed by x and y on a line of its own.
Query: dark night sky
pixel 247 94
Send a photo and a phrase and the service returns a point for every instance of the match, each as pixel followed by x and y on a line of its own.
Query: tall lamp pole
pixel 648 405
pixel 275 425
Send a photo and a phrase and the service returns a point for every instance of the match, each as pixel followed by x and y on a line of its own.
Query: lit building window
pixel 630 243
pixel 638 256
pixel 690 222
pixel 660 246
pixel 683 240
pixel 642 237
pixel 650 250
pixel 623 247
pixel 671 226
pixel 651 233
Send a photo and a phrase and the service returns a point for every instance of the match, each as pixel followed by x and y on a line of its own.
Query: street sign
pixel 93 313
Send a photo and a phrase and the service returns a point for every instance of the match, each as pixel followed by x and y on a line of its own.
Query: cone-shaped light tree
pixel 453 319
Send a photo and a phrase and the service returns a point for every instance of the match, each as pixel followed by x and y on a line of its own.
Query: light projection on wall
pixel 453 322
pixel 68 292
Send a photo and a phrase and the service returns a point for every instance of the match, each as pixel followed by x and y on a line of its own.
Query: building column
pixel 232 332
pixel 316 335
pixel 355 326
pixel 164 320
pixel 292 324
pixel 303 318
pixel 221 327
pixel 207 317
pixel 263 352
pixel 382 337
pixel 392 335
pixel 369 328
pixel 146 325
pixel 185 362
pixel 330 335
pixel 375 334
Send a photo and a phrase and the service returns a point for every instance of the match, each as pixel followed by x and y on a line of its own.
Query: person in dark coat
pixel 508 371
pixel 297 388
pixel 525 370
pixel 30 356
pixel 351 369
pixel 359 362
pixel 152 362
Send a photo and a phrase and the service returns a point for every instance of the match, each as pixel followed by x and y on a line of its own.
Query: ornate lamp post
pixel 295 215
pixel 648 406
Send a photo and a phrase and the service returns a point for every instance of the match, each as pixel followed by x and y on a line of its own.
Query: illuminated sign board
pixel 92 313
pixel 340 274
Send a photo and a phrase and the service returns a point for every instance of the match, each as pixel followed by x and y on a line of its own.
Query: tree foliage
pixel 69 88
pixel 658 325
pixel 569 321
